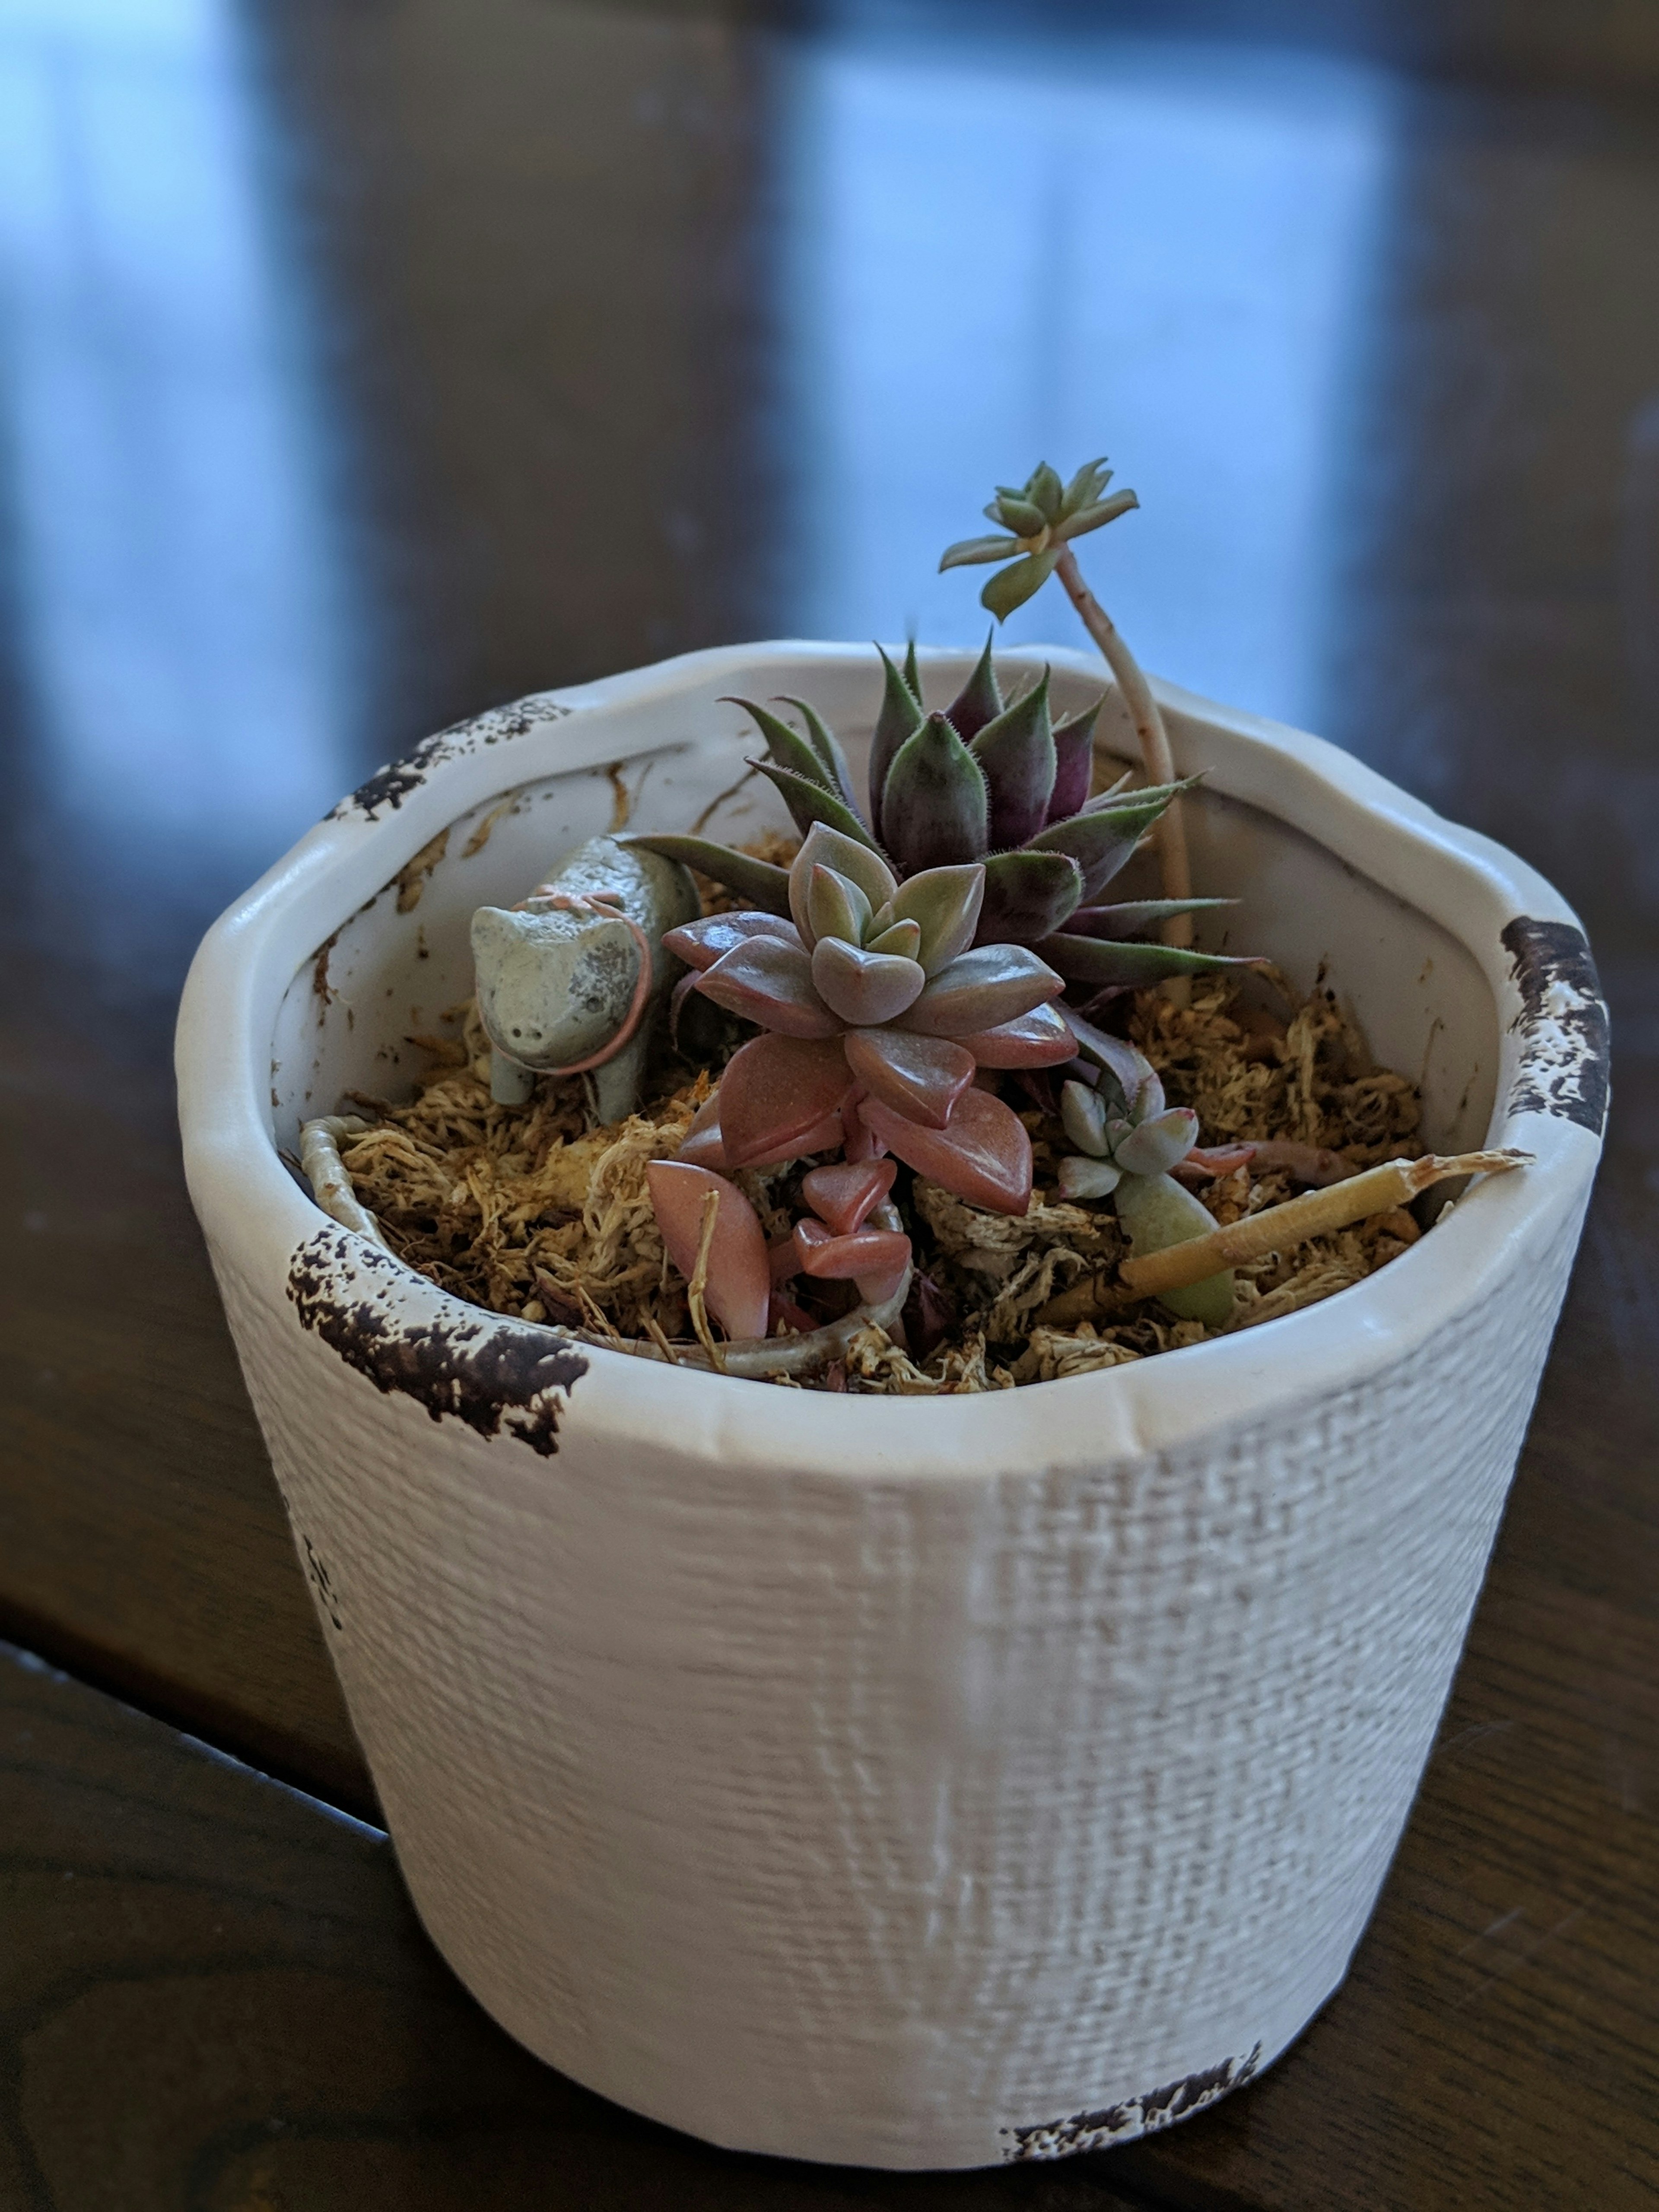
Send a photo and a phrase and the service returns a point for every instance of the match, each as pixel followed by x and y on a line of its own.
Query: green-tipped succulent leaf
pixel 971 552
pixel 835 906
pixel 900 717
pixel 1020 514
pixel 979 701
pixel 912 673
pixel 1028 896
pixel 1086 486
pixel 809 801
pixel 758 881
pixel 946 903
pixel 1133 915
pixel 1091 518
pixel 1017 753
pixel 934 800
pixel 788 748
pixel 1144 796
pixel 1102 961
pixel 903 937
pixel 1011 586
pixel 1045 491
pixel 827 746
pixel 825 847
pixel 1100 841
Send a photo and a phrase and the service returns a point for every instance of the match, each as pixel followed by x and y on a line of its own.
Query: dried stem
pixel 699 1282
pixel 1315 1214
pixel 1090 1299
pixel 654 1330
pixel 597 1316
pixel 1171 830
pixel 320 1162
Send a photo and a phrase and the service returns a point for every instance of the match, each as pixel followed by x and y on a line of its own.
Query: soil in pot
pixel 912 1051
pixel 536 1211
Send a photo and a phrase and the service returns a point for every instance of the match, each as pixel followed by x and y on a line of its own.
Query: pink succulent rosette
pixel 878 1013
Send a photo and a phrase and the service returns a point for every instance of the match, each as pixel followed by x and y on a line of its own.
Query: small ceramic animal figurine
pixel 570 982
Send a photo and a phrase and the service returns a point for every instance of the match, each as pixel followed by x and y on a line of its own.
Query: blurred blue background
pixel 1165 251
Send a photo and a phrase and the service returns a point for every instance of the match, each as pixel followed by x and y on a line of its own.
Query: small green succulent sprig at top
pixel 986 782
pixel 1042 518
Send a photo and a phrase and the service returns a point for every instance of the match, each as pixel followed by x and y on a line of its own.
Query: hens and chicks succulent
pixel 982 781
pixel 876 1009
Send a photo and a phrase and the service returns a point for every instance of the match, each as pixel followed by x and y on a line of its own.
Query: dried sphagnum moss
pixel 529 1212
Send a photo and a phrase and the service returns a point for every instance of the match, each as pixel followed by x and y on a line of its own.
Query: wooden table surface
pixel 365 365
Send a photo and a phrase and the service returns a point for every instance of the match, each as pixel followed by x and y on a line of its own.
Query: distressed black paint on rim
pixel 390 785
pixel 490 1372
pixel 1563 1023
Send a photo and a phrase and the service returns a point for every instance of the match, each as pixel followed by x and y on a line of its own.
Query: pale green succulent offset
pixel 1128 1141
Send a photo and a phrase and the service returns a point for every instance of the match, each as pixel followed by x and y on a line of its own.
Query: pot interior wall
pixel 399 969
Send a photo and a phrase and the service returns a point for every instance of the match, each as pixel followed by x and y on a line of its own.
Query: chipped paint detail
pixel 1137 2116
pixel 391 785
pixel 483 1371
pixel 1563 1023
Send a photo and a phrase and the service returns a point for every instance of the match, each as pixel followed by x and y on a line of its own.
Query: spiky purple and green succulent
pixel 878 1009
pixel 985 782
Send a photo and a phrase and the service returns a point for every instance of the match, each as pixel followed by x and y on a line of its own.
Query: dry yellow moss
pixel 531 1212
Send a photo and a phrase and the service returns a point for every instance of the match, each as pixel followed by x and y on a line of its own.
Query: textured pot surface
pixel 903 1782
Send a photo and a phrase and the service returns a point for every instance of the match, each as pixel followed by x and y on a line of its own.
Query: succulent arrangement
pixel 982 782
pixel 924 937
pixel 946 936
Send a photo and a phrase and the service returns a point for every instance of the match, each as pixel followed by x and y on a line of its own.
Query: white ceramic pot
pixel 906 1782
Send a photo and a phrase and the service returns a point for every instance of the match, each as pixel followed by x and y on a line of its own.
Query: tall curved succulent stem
pixel 1174 867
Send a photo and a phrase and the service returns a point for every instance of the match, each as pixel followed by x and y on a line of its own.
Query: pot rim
pixel 1550 1096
